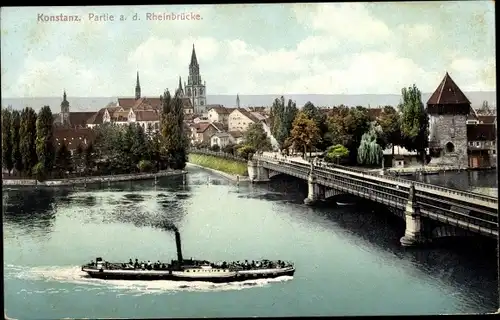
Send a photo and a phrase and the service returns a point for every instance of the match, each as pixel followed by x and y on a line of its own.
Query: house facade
pixel 219 114
pixel 240 119
pixel 220 139
pixel 200 133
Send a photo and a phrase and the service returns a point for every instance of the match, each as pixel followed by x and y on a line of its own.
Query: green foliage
pixel 390 124
pixel 229 148
pixel 27 137
pixel 44 139
pixel 256 137
pixel 38 172
pixel 281 119
pixel 78 158
pixel 174 139
pixel 63 161
pixel 370 152
pixel 16 151
pixel 7 160
pixel 215 148
pixel 346 127
pixel 485 108
pixel 319 118
pixel 225 165
pixel 336 153
pixel 414 121
pixel 305 134
pixel 145 166
pixel 89 157
pixel 246 151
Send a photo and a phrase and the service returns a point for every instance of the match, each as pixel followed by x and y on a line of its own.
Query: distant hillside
pixel 374 100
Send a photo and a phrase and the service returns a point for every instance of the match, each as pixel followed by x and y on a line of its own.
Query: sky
pixel 335 48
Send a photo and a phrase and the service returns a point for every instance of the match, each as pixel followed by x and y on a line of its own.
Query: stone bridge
pixel 419 204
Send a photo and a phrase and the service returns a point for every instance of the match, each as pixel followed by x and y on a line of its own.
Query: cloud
pixel 330 49
pixel 50 78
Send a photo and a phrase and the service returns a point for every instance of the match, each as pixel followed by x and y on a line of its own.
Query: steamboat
pixel 188 269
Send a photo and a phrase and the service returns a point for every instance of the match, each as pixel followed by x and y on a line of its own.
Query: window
pixel 471 143
pixel 477 143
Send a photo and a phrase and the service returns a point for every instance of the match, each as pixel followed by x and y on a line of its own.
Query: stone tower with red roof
pixel 448 108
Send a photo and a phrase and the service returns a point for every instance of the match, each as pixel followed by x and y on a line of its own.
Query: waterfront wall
pixel 91 180
pixel 221 164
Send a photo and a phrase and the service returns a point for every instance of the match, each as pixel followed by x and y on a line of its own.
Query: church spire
pixel 137 88
pixel 238 101
pixel 194 61
pixel 181 91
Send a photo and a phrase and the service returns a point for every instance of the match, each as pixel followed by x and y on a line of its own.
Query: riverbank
pixel 91 180
pixel 228 168
pixel 228 176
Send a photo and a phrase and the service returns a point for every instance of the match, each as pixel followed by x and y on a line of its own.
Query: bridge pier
pixel 414 231
pixel 257 172
pixel 315 192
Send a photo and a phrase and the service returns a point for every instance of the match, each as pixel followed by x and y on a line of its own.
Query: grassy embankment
pixel 225 165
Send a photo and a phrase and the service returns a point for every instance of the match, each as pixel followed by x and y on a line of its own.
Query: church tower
pixel 448 108
pixel 137 88
pixel 195 89
pixel 238 101
pixel 64 111
pixel 181 91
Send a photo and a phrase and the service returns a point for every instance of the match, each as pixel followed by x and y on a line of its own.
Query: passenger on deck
pixel 142 265
pixel 136 264
pixel 149 266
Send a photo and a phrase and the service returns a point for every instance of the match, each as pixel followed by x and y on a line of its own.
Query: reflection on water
pixel 334 247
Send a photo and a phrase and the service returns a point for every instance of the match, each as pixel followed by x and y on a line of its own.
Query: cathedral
pixel 195 89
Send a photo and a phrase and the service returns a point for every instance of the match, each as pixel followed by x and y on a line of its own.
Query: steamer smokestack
pixel 178 243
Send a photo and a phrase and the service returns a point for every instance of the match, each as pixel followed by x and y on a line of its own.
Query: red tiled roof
pixel 146 115
pixel 448 93
pixel 220 109
pixel 481 132
pixel 248 114
pixel 97 117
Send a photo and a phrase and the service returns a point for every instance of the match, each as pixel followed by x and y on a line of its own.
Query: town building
pixel 66 118
pixel 220 114
pixel 240 119
pixel 142 110
pixel 458 136
pixel 220 139
pixel 200 133
pixel 73 137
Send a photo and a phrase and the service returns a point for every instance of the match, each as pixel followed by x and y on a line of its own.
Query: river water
pixel 348 260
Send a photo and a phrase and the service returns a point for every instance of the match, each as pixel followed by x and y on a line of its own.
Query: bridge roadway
pixel 465 212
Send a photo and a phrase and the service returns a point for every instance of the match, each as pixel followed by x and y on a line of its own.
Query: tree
pixel 369 151
pixel 145 166
pixel 319 118
pixel 229 148
pixel 27 137
pixel 139 148
pixel 89 159
pixel 485 108
pixel 245 151
pixel 336 153
pixel 256 137
pixel 174 139
pixel 346 127
pixel 414 121
pixel 281 119
pixel 215 148
pixel 7 160
pixel 78 158
pixel 44 139
pixel 390 123
pixel 305 134
pixel 16 151
pixel 63 160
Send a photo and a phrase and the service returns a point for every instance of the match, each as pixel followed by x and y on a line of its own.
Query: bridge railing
pixel 219 154
pixel 425 187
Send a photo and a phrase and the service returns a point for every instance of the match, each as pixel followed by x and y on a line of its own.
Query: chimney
pixel 179 248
